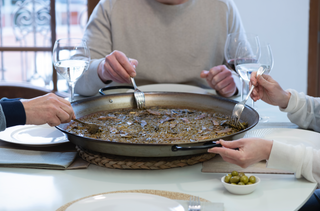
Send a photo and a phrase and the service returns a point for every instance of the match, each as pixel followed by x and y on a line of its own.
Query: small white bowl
pixel 241 189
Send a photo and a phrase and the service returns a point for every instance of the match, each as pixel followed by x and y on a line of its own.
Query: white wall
pixel 284 24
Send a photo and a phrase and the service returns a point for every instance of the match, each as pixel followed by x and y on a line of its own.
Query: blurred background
pixel 285 25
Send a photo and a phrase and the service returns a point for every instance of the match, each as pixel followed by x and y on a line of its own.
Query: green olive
pixel 244 179
pixel 252 179
pixel 233 183
pixel 227 178
pixel 241 183
pixel 234 173
pixel 235 179
pixel 249 183
pixel 241 174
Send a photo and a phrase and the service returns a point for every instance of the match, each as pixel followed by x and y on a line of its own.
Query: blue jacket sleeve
pixel 11 113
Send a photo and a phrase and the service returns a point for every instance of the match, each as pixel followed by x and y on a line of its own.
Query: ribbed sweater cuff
pixel 14 112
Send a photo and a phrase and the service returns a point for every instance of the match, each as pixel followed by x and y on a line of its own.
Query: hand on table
pixel 220 78
pixel 49 109
pixel 269 90
pixel 117 67
pixel 251 150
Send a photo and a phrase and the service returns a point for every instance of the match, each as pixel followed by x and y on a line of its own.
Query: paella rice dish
pixel 156 125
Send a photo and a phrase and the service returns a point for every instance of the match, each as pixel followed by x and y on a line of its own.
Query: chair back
pixel 24 90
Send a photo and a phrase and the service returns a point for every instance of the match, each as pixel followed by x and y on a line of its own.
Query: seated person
pixel 304 161
pixel 175 41
pixel 48 108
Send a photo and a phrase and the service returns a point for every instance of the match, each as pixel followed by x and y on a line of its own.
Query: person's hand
pixel 49 109
pixel 220 78
pixel 117 67
pixel 269 90
pixel 251 150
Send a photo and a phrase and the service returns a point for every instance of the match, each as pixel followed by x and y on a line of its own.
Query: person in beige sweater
pixel 167 41
pixel 304 161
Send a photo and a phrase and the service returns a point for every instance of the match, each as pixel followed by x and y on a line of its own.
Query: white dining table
pixel 23 189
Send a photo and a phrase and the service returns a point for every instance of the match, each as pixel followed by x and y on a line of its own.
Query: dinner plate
pixel 172 88
pixel 33 135
pixel 288 136
pixel 125 201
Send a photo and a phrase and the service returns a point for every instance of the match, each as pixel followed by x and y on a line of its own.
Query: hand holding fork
pixel 238 108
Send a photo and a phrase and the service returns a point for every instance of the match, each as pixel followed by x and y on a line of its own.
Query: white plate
pixel 33 135
pixel 126 201
pixel 172 88
pixel 288 136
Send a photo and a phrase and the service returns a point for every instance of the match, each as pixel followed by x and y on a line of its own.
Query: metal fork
pixel 194 203
pixel 138 95
pixel 238 108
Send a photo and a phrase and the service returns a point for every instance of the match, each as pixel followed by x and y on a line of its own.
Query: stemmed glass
pixel 267 62
pixel 249 59
pixel 232 42
pixel 71 57
pixel 246 61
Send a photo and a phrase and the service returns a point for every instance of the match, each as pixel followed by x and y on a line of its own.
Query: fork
pixel 238 108
pixel 194 203
pixel 138 95
pixel 92 128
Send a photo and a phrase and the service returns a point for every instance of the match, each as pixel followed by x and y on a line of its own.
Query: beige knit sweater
pixel 172 43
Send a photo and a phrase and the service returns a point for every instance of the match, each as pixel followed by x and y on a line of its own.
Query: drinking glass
pixel 266 61
pixel 232 42
pixel 71 57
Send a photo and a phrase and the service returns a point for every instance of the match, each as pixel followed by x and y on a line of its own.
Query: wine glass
pixel 230 48
pixel 71 58
pixel 266 61
pixel 246 61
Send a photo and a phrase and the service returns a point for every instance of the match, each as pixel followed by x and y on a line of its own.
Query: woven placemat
pixel 126 162
pixel 167 194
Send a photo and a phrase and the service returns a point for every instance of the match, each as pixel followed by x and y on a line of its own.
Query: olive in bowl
pixel 240 183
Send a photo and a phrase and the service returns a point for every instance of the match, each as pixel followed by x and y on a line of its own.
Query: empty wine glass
pixel 266 61
pixel 266 57
pixel 71 58
pixel 230 48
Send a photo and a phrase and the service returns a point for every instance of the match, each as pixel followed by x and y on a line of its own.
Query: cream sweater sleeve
pixel 304 161
pixel 304 110
pixel 298 159
pixel 98 36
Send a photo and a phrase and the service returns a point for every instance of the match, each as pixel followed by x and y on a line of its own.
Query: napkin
pixel 35 159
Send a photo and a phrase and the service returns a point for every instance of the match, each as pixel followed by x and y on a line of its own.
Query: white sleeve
pixel 301 160
pixel 304 110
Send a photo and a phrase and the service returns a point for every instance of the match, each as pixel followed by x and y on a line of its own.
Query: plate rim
pixel 263 132
pixel 198 90
pixel 76 203
pixel 6 135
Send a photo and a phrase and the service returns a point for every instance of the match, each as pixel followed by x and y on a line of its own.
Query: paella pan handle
pixel 114 87
pixel 175 148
